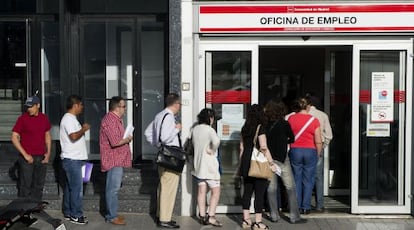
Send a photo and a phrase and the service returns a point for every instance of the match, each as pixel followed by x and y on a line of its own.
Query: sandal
pixel 246 224
pixel 259 225
pixel 203 219
pixel 215 223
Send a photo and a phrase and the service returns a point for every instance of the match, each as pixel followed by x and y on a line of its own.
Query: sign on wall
pixel 305 18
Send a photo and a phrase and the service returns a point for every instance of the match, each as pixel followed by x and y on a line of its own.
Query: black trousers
pixel 259 187
pixel 32 178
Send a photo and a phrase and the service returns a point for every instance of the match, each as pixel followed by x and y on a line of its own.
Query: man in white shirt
pixel 327 136
pixel 165 123
pixel 74 154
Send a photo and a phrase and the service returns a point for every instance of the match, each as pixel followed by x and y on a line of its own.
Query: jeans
pixel 32 178
pixel 287 179
pixel 319 183
pixel 113 184
pixel 303 161
pixel 73 191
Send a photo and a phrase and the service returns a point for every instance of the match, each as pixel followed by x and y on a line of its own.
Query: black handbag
pixel 170 157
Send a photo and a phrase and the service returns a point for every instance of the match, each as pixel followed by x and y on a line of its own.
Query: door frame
pixel 253 43
pixel 406 186
pixel 200 83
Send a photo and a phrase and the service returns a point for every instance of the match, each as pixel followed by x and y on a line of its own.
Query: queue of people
pixel 292 145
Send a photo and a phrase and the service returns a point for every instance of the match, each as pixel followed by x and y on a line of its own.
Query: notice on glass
pixel 382 97
pixel 229 130
pixel 128 131
pixel 376 129
pixel 232 112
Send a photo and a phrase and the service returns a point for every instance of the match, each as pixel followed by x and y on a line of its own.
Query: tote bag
pixel 259 165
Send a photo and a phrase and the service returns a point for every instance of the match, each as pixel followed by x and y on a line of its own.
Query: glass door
pixel 14 77
pixel 228 84
pixel 123 57
pixel 107 71
pixel 381 146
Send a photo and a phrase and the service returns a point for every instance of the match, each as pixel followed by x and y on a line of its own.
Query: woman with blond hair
pixel 304 152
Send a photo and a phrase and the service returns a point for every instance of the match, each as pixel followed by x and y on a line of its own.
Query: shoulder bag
pixel 259 165
pixel 170 157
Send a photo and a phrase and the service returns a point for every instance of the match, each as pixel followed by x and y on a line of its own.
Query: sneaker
pixel 79 220
pixel 66 217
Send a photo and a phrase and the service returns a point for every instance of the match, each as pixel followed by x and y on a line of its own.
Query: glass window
pixel 18 6
pixel 381 142
pixel 152 78
pixel 52 89
pixel 107 71
pixel 228 92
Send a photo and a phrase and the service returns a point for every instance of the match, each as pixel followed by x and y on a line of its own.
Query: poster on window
pixel 229 127
pixel 382 97
pixel 376 129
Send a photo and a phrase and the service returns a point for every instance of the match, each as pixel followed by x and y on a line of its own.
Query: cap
pixel 32 101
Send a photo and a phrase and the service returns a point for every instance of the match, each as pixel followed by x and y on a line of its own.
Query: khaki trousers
pixel 167 192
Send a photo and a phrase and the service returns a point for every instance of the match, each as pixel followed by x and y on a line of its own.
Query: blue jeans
pixel 73 191
pixel 303 161
pixel 319 183
pixel 113 184
pixel 287 179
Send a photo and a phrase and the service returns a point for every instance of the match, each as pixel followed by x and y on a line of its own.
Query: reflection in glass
pixel 52 88
pixel 228 86
pixel 152 79
pixel 379 156
pixel 107 68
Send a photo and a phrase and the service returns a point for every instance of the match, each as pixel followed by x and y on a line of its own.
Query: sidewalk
pixel 232 221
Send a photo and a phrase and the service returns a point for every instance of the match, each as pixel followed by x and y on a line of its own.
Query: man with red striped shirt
pixel 115 155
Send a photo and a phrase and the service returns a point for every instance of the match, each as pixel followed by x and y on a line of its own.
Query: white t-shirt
pixel 75 150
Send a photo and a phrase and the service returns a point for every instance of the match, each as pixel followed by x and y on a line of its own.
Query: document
pixel 128 131
pixel 86 172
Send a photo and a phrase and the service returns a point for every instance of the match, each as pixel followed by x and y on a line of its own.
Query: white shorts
pixel 210 183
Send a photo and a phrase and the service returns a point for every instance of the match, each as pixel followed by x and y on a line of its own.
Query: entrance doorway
pixel 326 72
pixel 14 71
pixel 365 88
pixel 123 56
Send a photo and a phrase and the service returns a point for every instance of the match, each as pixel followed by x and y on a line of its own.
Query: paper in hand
pixel 278 171
pixel 128 131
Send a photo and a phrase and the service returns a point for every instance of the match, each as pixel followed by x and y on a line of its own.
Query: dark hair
pixel 72 100
pixel 313 100
pixel 275 110
pixel 204 116
pixel 171 99
pixel 300 104
pixel 255 116
pixel 114 102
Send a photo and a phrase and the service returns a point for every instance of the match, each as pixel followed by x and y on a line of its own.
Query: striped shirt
pixel 111 133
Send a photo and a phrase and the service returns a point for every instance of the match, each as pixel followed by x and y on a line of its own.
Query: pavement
pixel 336 221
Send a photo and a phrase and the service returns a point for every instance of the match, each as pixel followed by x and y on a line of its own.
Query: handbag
pixel 188 145
pixel 259 165
pixel 170 157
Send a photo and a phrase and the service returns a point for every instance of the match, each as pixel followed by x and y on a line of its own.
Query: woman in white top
pixel 206 166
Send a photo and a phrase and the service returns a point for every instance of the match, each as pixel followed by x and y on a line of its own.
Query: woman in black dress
pixel 255 117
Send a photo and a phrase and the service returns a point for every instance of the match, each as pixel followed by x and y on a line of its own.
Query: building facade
pixel 356 57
